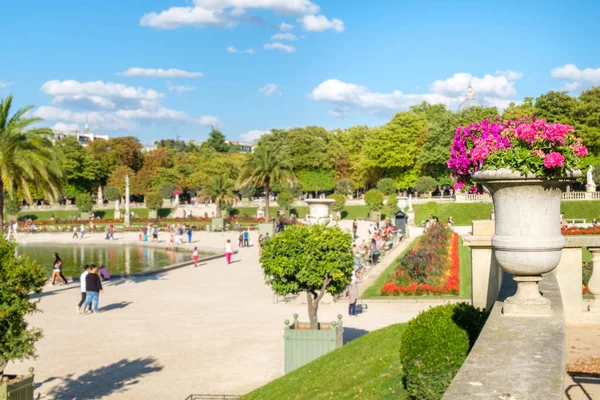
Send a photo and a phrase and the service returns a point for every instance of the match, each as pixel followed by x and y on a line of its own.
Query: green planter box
pixel 303 345
pixel 85 216
pixel 152 214
pixel 167 203
pixel 218 224
pixel 20 390
pixel 264 228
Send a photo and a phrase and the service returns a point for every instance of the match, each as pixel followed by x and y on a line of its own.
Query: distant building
pixel 245 147
pixel 83 137
pixel 469 101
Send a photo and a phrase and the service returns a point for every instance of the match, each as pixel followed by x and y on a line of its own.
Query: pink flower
pixel 459 185
pixel 580 151
pixel 554 159
pixel 539 153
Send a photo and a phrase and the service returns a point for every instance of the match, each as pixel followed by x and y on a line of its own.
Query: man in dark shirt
pixel 93 287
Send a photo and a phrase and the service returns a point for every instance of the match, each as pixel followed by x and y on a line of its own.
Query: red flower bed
pixel 431 267
pixel 581 231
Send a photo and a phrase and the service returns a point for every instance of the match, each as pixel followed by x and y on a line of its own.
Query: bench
pixel 574 220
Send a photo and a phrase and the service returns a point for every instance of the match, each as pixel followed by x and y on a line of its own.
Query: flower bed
pixel 431 267
pixel 581 231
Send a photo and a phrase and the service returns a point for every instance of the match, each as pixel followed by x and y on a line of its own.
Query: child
pixel 104 274
pixel 195 256
pixel 228 251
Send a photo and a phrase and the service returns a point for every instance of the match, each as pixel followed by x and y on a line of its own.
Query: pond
pixel 118 259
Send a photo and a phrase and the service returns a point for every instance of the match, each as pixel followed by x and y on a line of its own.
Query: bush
pixel 111 193
pixel 166 190
pixel 11 206
pixel 340 201
pixel 387 186
pixel 392 207
pixel 285 200
pixel 248 190
pixel 19 276
pixel 344 186
pixel 154 201
pixel 431 209
pixel 596 174
pixel 374 200
pixel 83 201
pixel 425 184
pixel 434 346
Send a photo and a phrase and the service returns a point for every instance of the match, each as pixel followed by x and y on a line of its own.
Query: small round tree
pixel 111 193
pixel 19 277
pixel 387 186
pixel 596 174
pixel 340 201
pixel 83 201
pixel 344 186
pixel 166 190
pixel 12 206
pixel 309 258
pixel 154 201
pixel 247 191
pixel 425 184
pixel 285 200
pixel 374 200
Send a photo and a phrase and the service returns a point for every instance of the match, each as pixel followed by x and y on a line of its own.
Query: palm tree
pixel 27 156
pixel 220 190
pixel 263 168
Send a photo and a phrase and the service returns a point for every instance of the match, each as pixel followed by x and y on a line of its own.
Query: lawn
pixel 366 368
pixel 464 253
pixel 103 214
pixel 251 211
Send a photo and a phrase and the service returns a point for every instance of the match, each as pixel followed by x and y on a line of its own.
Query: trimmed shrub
pixel 111 193
pixel 386 186
pixel 11 206
pixel 434 346
pixel 84 203
pixel 345 186
pixel 166 190
pixel 425 184
pixel 340 201
pixel 285 200
pixel 374 200
pixel 154 201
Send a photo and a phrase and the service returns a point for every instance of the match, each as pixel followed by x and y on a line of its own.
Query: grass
pixel 462 213
pixel 251 211
pixel 366 368
pixel 103 214
pixel 464 254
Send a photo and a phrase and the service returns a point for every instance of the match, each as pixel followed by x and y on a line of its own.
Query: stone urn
pixel 527 242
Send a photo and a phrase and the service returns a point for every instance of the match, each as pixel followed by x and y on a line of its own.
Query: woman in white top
pixel 228 251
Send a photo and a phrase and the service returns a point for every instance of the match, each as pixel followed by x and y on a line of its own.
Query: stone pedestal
pixel 260 212
pixel 402 202
pixel 594 283
pixel 127 219
pixel 590 188
pixel 117 214
pixel 319 211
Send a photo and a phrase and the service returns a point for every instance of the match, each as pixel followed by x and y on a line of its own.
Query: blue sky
pixel 335 63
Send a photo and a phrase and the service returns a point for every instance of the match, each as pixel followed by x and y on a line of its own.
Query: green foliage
pixel 84 203
pixel 425 184
pixel 556 107
pixel 217 141
pixel 431 209
pixel 344 186
pixel 374 200
pixel 248 190
pixel 434 346
pixel 81 170
pixel 340 202
pixel 391 206
pixel 12 206
pixel 387 186
pixel 19 277
pixel 316 180
pixel 154 201
pixel 166 190
pixel 221 190
pixel 111 193
pixel 308 258
pixel 596 174
pixel 285 200
pixel 514 111
pixel 70 191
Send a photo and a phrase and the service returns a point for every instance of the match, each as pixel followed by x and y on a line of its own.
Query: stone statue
pixel 100 198
pixel 590 178
pixel 117 205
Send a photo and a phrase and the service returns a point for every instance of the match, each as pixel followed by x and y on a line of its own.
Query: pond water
pixel 118 259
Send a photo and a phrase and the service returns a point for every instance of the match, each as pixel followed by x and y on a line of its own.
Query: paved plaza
pixel 213 329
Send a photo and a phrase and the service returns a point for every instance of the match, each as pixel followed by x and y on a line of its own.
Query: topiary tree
pixel 374 200
pixel 19 277
pixel 166 190
pixel 434 346
pixel 154 201
pixel 84 203
pixel 285 200
pixel 309 258
pixel 248 190
pixel 431 209
pixel 425 184
pixel 111 193
pixel 392 206
pixel 387 186
pixel 12 206
pixel 340 201
pixel 344 186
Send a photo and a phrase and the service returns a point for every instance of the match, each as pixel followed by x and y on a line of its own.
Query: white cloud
pixel 208 120
pixel 497 85
pixel 180 88
pixel 269 90
pixel 498 102
pixel 280 46
pixel 285 27
pixel 319 23
pixel 337 112
pixel 284 36
pixel 4 85
pixel 160 73
pixel 253 135
pixel 510 75
pixel 62 127
pixel 235 50
pixel 222 12
pixel 97 88
pixel 99 120
pixel 86 102
pixel 576 78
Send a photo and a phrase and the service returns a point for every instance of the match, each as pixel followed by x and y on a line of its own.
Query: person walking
pixel 57 270
pixel 228 251
pixel 75 235
pixel 189 233
pixel 107 231
pixel 195 256
pixel 352 297
pixel 86 271
pixel 93 287
pixel 354 229
pixel 246 237
pixel 155 234
pixel 111 231
pixel 241 240
pixel 82 230
pixel 261 244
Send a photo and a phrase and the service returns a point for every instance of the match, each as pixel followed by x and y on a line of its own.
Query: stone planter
pixel 218 224
pixel 167 203
pixel 19 390
pixel 303 345
pixel 85 216
pixel 319 211
pixel 527 241
pixel 152 214
pixel 264 228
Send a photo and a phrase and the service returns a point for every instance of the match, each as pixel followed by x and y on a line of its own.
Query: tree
pixel 154 201
pixel 556 107
pixel 340 201
pixel 596 174
pixel 221 191
pixel 12 206
pixel 27 156
pixel 19 277
pixel 316 180
pixel 81 170
pixel 514 111
pixel 247 191
pixel 285 200
pixel 217 141
pixel 425 184
pixel 386 186
pixel 312 258
pixel 83 201
pixel 166 190
pixel 111 193
pixel 263 168
pixel 344 186
pixel 117 177
pixel 374 200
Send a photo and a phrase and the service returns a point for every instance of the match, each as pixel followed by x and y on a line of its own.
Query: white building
pixel 83 137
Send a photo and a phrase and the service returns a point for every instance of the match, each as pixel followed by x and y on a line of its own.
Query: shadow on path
pixel 97 383
pixel 578 390
pixel 70 286
pixel 115 306
pixel 352 333
pixel 137 279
